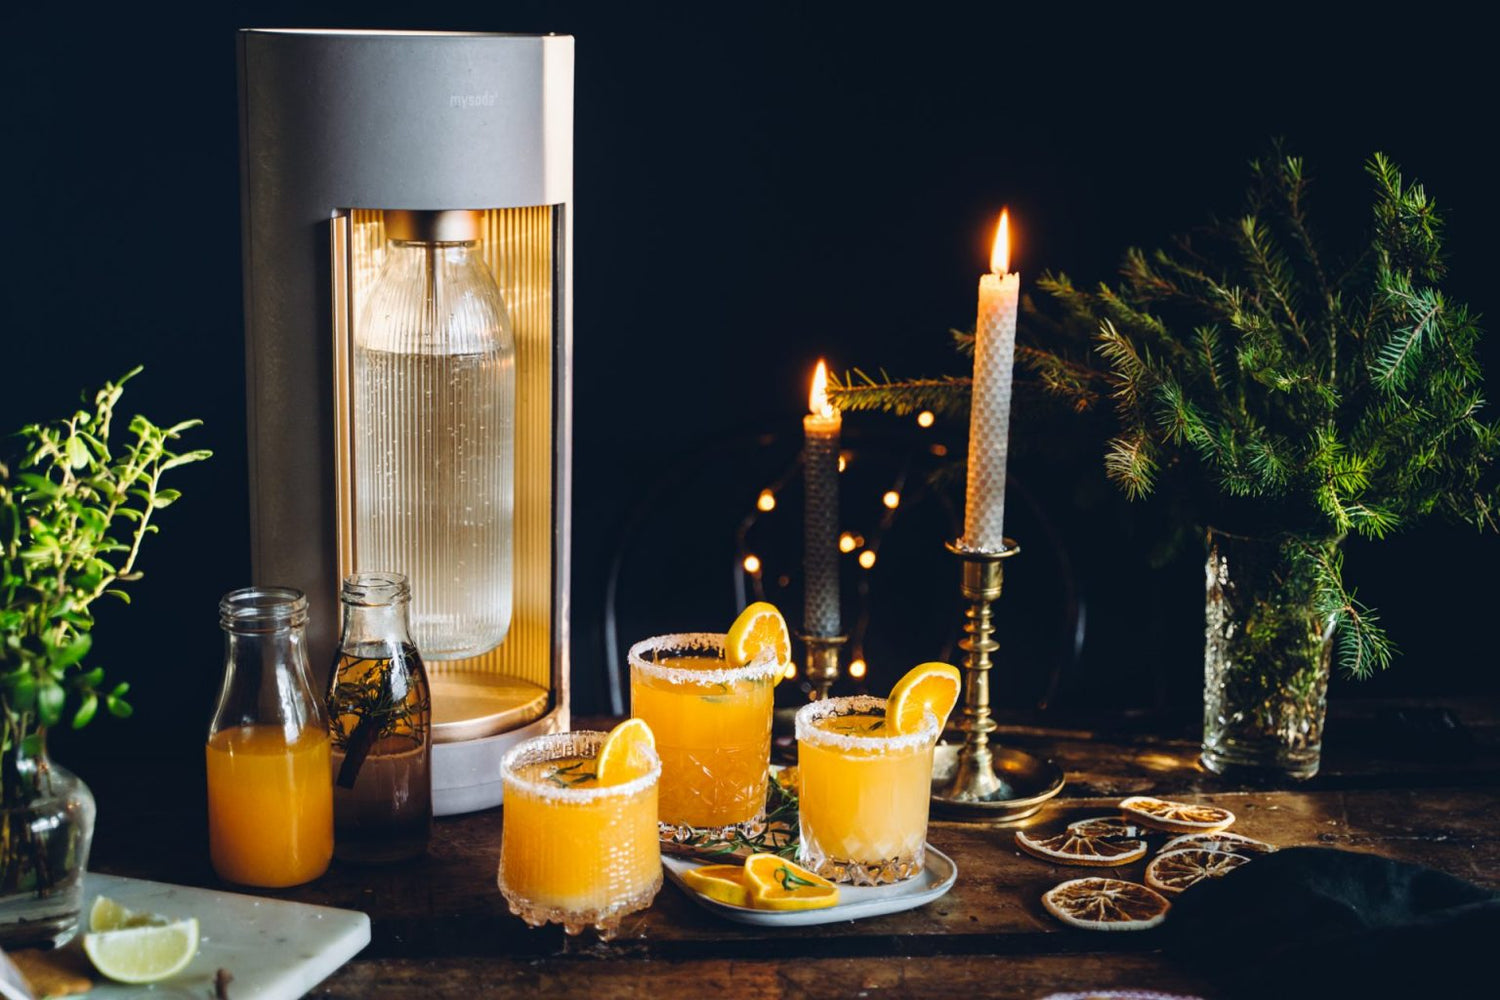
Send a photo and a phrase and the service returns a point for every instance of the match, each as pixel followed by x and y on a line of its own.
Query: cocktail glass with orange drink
pixel 708 698
pixel 864 767
pixel 579 840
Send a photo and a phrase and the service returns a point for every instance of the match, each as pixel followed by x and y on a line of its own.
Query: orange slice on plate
pixel 1106 828
pixel 778 884
pixel 927 687
pixel 1229 843
pixel 725 883
pixel 1073 848
pixel 758 631
pixel 1174 871
pixel 1176 817
pixel 626 753
pixel 1106 904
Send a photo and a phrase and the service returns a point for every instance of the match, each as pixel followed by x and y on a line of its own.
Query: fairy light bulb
pixel 847 543
pixel 892 499
pixel 926 418
pixel 766 501
pixel 752 564
pixel 857 669
pixel 867 558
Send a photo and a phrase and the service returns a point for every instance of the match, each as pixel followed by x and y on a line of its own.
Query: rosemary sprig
pixel 778 835
pixel 569 775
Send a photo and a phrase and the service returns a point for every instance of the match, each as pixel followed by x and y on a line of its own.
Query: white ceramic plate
pixel 855 901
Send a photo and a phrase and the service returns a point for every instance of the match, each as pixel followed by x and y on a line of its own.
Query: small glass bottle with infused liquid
pixel 380 719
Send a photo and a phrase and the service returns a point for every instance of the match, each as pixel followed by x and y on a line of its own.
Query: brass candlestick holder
pixel 821 668
pixel 976 778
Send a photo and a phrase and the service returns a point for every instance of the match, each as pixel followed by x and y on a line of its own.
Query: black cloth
pixel 1317 922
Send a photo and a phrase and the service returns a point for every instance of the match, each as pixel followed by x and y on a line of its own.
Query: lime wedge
pixel 143 954
pixel 109 915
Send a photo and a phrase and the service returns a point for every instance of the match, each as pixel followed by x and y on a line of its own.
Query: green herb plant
pixel 75 510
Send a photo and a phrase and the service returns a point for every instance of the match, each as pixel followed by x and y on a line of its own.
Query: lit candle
pixel 989 414
pixel 820 524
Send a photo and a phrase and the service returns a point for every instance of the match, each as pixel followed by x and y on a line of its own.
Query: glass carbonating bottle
pixel 270 808
pixel 380 717
pixel 434 431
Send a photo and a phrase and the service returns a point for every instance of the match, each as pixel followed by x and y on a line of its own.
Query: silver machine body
pixel 333 123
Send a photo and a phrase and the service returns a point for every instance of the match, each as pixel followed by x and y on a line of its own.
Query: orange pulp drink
pixel 573 851
pixel 270 805
pixel 864 791
pixel 713 728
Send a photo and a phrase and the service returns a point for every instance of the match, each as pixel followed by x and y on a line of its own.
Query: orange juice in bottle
pixel 270 781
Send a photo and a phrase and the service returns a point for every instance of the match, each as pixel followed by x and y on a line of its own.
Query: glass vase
pixel 46 828
pixel 1267 652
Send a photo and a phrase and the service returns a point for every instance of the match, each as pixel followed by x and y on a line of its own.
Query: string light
pixel 847 542
pixel 752 564
pixel 939 450
pixel 926 419
pixel 867 558
pixel 892 499
pixel 857 669
pixel 791 672
pixel 843 460
pixel 766 501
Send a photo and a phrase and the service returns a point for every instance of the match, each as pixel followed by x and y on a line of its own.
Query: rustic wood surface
pixel 442 929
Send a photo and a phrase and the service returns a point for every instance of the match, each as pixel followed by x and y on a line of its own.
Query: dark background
pixel 755 187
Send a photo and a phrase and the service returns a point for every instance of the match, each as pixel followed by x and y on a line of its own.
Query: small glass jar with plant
pixel 75 509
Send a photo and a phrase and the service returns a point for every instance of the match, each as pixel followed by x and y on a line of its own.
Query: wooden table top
pixel 1393 783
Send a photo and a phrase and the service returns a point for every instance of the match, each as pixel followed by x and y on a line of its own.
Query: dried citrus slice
pixel 1176 817
pixel 778 884
pixel 1174 871
pixel 1106 827
pixel 726 883
pixel 623 756
pixel 927 687
pixel 1231 843
pixel 1106 904
pixel 1073 848
pixel 758 631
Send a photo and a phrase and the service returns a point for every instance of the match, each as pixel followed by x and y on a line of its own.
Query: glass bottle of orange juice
pixel 270 783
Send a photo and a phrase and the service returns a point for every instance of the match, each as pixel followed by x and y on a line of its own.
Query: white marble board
pixel 274 948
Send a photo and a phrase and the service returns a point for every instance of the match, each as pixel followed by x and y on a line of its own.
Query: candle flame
pixel 1000 253
pixel 817 400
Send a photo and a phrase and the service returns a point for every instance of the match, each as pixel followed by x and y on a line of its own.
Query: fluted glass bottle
pixel 434 429
pixel 270 801
pixel 380 716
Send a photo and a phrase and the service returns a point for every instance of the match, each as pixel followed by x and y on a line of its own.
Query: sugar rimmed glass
pixel 864 794
pixel 574 852
pixel 713 730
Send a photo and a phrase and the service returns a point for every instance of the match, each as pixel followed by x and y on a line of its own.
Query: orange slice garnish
pixel 927 687
pixel 626 753
pixel 778 884
pixel 758 631
pixel 1073 848
pixel 1229 843
pixel 1106 904
pixel 1176 817
pixel 725 883
pixel 1174 871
